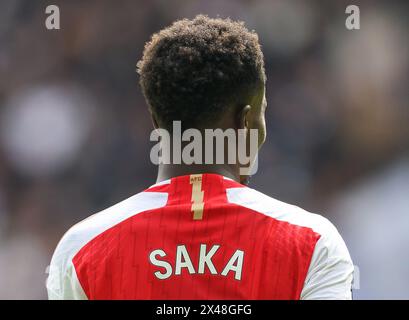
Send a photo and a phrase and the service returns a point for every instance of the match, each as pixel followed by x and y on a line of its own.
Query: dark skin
pixel 247 115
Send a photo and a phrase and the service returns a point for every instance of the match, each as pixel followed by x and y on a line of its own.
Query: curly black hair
pixel 194 69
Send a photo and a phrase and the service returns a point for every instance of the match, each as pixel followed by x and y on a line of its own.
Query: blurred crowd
pixel 74 127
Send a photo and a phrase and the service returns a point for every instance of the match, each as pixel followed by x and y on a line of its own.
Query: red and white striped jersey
pixel 201 237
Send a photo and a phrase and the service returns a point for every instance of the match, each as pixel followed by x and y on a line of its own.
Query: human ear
pixel 243 117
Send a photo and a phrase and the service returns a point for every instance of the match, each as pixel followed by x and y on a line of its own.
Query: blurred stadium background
pixel 74 128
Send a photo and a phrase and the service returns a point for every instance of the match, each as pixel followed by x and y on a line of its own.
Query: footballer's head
pixel 206 73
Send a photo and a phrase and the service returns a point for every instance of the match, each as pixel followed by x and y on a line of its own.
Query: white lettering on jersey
pixel 183 260
pixel 206 258
pixel 230 266
pixel 160 263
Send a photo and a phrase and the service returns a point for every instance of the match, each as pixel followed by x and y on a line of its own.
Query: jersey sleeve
pixel 331 269
pixel 62 282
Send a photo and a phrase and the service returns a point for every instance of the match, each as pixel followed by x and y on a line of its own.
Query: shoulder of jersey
pixel 275 209
pixel 84 231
